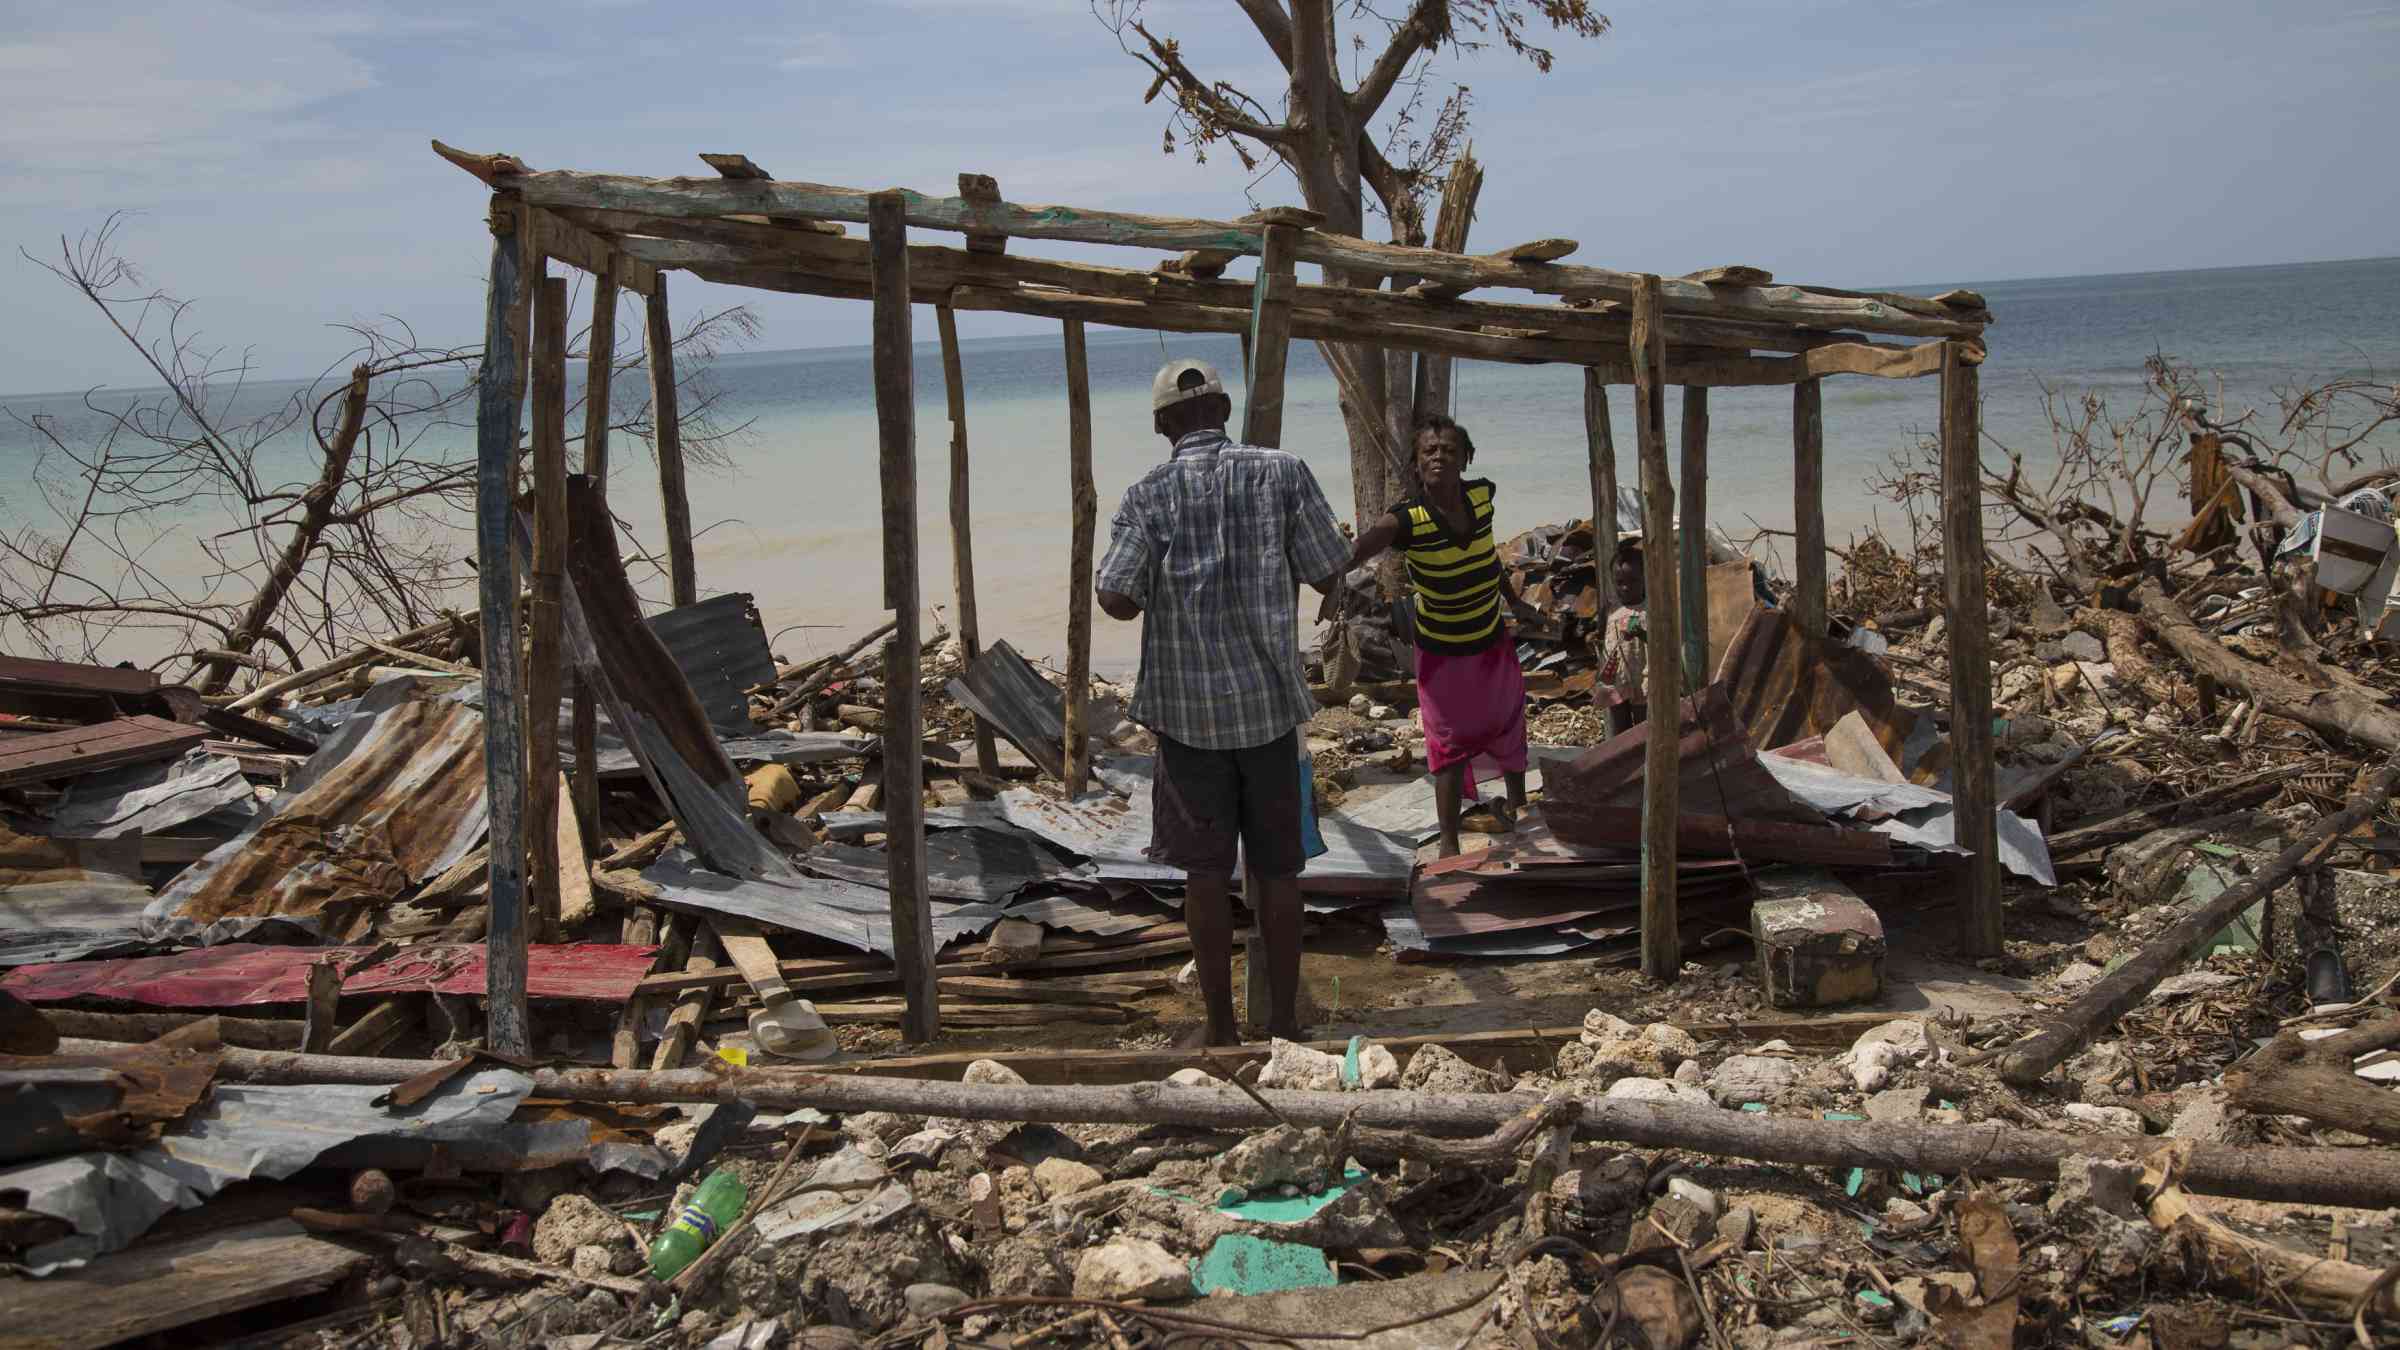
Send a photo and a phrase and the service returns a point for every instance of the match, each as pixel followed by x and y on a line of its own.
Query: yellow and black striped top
pixel 1457 580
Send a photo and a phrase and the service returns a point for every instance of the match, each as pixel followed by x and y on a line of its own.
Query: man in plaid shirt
pixel 1212 547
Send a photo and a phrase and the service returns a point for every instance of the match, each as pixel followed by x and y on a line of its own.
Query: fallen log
pixel 2126 826
pixel 827 671
pixel 2260 1268
pixel 2337 712
pixel 2116 993
pixel 364 656
pixel 2314 1078
pixel 2367 1178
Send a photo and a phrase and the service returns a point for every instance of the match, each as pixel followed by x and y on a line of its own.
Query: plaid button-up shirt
pixel 1214 545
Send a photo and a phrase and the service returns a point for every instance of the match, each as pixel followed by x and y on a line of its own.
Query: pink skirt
pixel 1474 706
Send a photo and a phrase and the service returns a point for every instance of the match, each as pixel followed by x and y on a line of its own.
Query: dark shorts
pixel 1203 801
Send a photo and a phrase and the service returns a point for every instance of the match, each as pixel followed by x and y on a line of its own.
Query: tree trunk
pixel 316 513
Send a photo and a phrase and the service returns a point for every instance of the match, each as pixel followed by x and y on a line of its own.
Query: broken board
pixel 150 1289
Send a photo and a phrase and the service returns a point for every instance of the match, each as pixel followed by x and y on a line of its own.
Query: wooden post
pixel 962 529
pixel 497 405
pixel 1808 507
pixel 1600 440
pixel 903 714
pixel 1270 337
pixel 1692 539
pixel 547 620
pixel 1662 954
pixel 667 424
pixel 599 374
pixel 1085 503
pixel 1964 597
pixel 1264 350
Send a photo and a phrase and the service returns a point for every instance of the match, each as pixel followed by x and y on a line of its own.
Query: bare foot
pixel 1204 1037
pixel 1449 849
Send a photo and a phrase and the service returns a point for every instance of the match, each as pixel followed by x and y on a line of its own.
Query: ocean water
pixel 796 520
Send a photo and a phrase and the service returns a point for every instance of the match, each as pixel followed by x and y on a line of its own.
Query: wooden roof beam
pixel 1881 313
pixel 982 189
pixel 741 169
pixel 576 246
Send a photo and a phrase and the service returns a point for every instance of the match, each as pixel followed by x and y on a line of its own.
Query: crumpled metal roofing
pixel 65 898
pixel 1002 689
pixel 1909 814
pixel 721 654
pixel 959 864
pixel 855 916
pixel 392 798
pixel 154 798
pixel 242 1132
pixel 235 974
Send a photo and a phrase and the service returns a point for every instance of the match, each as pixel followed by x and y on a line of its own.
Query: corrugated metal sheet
pixel 238 974
pixel 65 898
pixel 1099 916
pixel 855 916
pixel 1910 814
pixel 1003 690
pixel 1784 686
pixel 1720 773
pixel 722 654
pixel 1114 834
pixel 850 825
pixel 153 798
pixel 241 1133
pixel 1408 810
pixel 394 797
pixel 959 864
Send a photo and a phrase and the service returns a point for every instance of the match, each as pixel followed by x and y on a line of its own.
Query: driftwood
pixel 2130 825
pixel 2295 1077
pixel 2262 1268
pixel 2115 994
pixel 2368 1178
pixel 826 671
pixel 2337 713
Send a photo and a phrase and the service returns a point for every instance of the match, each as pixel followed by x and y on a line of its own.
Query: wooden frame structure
pixel 1727 326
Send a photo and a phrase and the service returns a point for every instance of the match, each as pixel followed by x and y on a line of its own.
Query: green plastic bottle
pixel 712 1210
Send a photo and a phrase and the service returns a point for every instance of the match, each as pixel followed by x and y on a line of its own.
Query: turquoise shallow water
pixel 796 520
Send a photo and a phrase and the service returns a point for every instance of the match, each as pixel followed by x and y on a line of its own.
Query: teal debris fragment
pixel 1248 1265
pixel 1292 1209
pixel 2208 881
pixel 1350 1062
pixel 1858 1175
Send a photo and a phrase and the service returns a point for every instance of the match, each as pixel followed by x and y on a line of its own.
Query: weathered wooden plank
pixel 497 407
pixel 1731 276
pixel 599 365
pixel 1084 508
pixel 962 528
pixel 983 189
pixel 735 166
pixel 717 198
pixel 691 1007
pixel 103 745
pixel 1661 774
pixel 1692 538
pixel 1808 507
pixel 147 1290
pixel 1537 250
pixel 1600 443
pixel 666 421
pixel 705 245
pixel 583 249
pixel 1270 338
pixel 641 927
pixel 903 717
pixel 1964 598
pixel 546 618
pixel 1204 264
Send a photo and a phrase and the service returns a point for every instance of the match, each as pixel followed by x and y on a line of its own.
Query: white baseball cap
pixel 1168 388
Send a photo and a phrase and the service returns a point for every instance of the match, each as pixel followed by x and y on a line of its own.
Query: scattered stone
pixel 1657 1303
pixel 573 1220
pixel 1905 1213
pixel 1602 1188
pixel 1295 1067
pixel 756 1334
pixel 1697 1194
pixel 1132 1268
pixel 1017 1267
pixel 2204 1118
pixel 2082 646
pixel 1064 1176
pixel 590 1260
pixel 1897 1044
pixel 1662 1090
pixel 1689 1072
pixel 1382 712
pixel 922 1149
pixel 2098 1183
pixel 1738 1225
pixel 2116 1119
pixel 1618 1049
pixel 1751 1078
pixel 1283 1156
pixel 1897 1106
pixel 1378 1067
pixel 932 1300
pixel 1438 1070
pixel 1359 703
pixel 2077 975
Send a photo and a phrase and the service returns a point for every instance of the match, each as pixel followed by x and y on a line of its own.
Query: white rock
pixel 2100 1183
pixel 2116 1119
pixel 991 1071
pixel 591 1260
pixel 1599 1027
pixel 1436 1069
pixel 2204 1118
pixel 1377 1067
pixel 1064 1176
pixel 1132 1268
pixel 1750 1078
pixel 1294 1066
pixel 1198 1078
pixel 2077 975
pixel 1896 1044
pixel 1359 703
pixel 2082 646
pixel 1188 978
pixel 573 1220
pixel 1904 1212
pixel 1896 1106
pixel 1700 1196
pixel 1382 712
pixel 1662 1090
pixel 1688 1072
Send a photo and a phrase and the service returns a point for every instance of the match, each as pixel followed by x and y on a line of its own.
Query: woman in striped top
pixel 1468 682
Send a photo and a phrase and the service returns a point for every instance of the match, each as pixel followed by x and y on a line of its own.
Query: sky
pixel 277 157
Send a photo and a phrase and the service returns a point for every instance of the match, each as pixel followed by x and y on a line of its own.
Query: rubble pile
pixel 243 1010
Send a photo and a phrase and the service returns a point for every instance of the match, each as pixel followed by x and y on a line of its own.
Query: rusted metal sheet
pixel 394 797
pixel 722 655
pixel 81 750
pixel 115 1099
pixel 1002 688
pixel 1720 773
pixel 959 864
pixel 1705 836
pixel 240 974
pixel 1783 685
pixel 141 799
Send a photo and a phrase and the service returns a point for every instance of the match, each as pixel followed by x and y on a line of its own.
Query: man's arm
pixel 1120 606
pixel 1318 551
pixel 1123 581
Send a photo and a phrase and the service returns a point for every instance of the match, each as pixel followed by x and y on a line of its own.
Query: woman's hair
pixel 1440 422
pixel 1628 550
